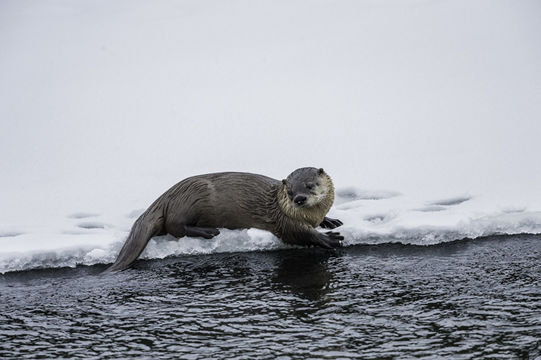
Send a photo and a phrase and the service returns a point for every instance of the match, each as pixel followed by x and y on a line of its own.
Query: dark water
pixel 477 299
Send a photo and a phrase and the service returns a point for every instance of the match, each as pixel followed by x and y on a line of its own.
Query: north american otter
pixel 197 206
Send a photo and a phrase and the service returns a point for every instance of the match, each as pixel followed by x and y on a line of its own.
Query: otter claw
pixel 330 223
pixel 333 239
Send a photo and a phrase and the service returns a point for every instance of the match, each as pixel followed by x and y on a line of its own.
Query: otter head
pixel 306 195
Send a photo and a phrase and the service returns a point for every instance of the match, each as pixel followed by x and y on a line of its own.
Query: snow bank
pixel 370 217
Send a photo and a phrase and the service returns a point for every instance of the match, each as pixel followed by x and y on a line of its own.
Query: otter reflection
pixel 304 272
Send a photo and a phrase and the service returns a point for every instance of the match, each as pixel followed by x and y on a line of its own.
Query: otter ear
pixel 320 171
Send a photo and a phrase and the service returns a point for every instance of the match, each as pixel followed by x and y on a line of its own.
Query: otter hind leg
pixel 330 223
pixel 204 232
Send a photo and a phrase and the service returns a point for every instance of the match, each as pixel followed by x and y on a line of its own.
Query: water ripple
pixel 468 300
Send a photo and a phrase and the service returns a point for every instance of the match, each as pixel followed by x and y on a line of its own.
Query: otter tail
pixel 149 224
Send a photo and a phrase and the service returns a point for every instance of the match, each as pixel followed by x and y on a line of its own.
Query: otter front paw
pixel 330 240
pixel 330 223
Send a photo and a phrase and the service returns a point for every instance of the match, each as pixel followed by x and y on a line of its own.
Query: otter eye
pixel 309 186
pixel 290 193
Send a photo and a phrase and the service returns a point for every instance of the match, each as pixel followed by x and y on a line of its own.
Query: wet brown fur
pixel 198 205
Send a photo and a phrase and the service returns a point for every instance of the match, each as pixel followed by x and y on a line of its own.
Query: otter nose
pixel 299 199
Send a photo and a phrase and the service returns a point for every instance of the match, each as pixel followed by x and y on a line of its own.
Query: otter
pixel 291 209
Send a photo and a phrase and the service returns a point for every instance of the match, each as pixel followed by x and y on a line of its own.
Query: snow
pixel 426 114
